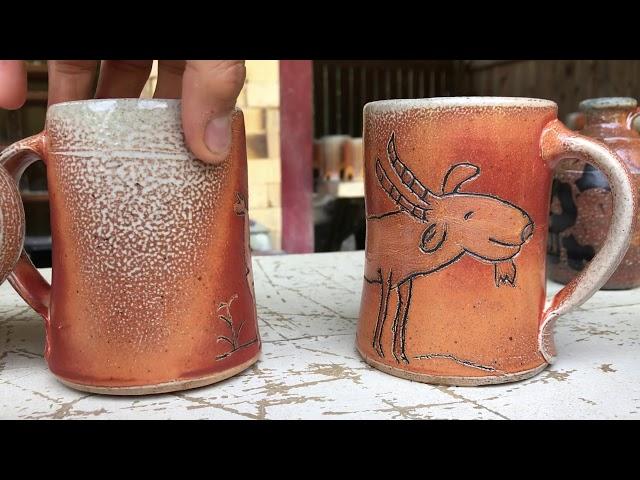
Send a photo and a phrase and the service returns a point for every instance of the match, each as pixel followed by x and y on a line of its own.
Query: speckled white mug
pixel 152 287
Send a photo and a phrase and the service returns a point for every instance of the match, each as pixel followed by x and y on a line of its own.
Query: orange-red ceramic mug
pixel 457 200
pixel 152 287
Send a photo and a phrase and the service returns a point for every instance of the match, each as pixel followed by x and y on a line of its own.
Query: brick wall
pixel 260 102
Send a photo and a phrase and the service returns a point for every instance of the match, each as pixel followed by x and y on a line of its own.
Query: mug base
pixel 173 386
pixel 455 381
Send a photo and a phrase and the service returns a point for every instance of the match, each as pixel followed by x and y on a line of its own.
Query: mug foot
pixel 166 387
pixel 457 381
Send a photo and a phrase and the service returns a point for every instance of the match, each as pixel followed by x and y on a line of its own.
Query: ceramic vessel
pixel 152 286
pixel 352 160
pixel 12 225
pixel 457 195
pixel 318 157
pixel 575 120
pixel 332 150
pixel 581 205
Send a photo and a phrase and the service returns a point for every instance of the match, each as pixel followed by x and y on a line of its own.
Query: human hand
pixel 208 88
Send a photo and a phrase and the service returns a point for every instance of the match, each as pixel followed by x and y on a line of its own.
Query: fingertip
pixel 13 84
pixel 209 92
pixel 209 139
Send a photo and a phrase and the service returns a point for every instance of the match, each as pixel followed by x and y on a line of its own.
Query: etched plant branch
pixel 233 339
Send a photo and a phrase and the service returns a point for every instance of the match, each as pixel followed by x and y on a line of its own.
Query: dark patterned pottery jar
pixel 581 205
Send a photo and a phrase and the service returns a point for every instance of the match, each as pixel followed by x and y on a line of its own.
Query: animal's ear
pixel 457 175
pixel 433 237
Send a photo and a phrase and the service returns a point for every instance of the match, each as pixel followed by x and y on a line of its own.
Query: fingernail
pixel 217 135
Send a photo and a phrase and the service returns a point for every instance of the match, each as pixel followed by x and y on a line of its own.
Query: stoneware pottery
pixel 318 156
pixel 332 151
pixel 457 198
pixel 581 206
pixel 575 120
pixel 12 224
pixel 352 159
pixel 152 287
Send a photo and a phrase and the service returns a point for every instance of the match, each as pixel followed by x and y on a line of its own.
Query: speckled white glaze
pixel 152 282
pixel 146 207
pixel 11 224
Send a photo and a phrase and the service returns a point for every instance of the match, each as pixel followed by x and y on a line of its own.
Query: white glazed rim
pixel 117 101
pixel 446 102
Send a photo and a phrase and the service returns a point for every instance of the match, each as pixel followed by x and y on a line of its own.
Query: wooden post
pixel 296 154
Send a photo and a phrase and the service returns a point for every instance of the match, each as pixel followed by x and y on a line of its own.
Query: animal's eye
pixel 468 215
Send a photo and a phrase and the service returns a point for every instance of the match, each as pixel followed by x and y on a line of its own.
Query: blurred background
pixel 303 123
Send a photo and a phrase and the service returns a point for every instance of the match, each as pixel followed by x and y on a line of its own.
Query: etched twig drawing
pixel 233 339
pixel 485 227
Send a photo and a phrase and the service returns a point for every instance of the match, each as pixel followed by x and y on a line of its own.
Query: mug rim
pixel 130 100
pixel 403 104
pixel 604 103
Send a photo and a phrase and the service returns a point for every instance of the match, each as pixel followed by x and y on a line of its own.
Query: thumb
pixel 210 89
pixel 13 84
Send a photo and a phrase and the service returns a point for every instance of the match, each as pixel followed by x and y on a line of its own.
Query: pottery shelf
pixel 309 368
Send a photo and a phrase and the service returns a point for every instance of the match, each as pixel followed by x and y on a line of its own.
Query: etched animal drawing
pixel 448 225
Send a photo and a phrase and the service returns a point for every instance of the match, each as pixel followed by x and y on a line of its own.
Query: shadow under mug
pixel 152 288
pixel 457 197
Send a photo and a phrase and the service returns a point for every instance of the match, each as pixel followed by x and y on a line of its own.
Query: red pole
pixel 296 154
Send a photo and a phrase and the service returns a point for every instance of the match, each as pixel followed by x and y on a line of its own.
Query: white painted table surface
pixel 308 307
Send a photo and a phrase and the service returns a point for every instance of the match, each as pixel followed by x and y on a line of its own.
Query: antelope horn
pixel 405 204
pixel 406 176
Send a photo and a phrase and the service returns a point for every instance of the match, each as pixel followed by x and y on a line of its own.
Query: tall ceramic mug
pixel 152 287
pixel 457 197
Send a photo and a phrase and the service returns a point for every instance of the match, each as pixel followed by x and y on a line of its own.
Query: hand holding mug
pixel 208 88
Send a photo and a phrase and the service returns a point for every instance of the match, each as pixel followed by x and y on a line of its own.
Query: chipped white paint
pixel 308 307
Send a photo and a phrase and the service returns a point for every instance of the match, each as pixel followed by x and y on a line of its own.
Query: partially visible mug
pixel 352 159
pixel 332 166
pixel 152 288
pixel 457 197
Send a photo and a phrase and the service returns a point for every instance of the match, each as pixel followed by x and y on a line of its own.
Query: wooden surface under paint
pixel 309 369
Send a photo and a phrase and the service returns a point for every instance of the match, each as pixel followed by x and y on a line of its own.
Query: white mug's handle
pixel 557 143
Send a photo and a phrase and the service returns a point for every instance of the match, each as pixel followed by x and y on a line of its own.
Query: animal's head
pixel 487 227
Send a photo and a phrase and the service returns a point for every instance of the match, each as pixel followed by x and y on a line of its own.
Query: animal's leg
pixel 400 321
pixel 385 284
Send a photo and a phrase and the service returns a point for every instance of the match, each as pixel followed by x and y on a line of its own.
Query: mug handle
pixel 557 143
pixel 25 277
pixel 632 116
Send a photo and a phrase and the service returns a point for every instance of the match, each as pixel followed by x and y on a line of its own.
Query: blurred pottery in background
pixel 332 156
pixel 318 156
pixel 352 160
pixel 575 120
pixel 581 203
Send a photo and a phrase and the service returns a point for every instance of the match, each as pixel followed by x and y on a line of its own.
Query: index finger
pixel 13 84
